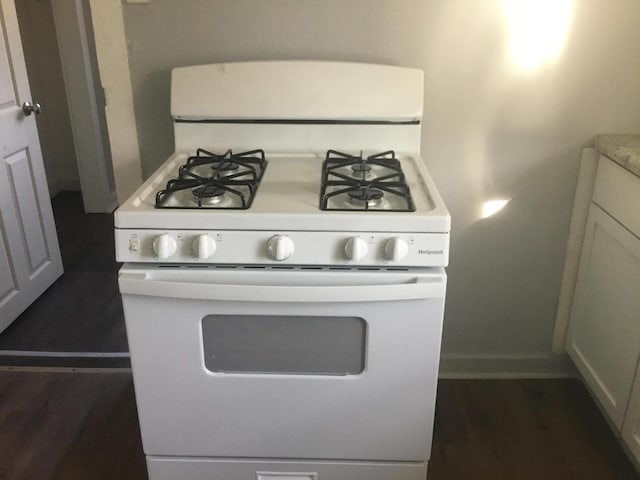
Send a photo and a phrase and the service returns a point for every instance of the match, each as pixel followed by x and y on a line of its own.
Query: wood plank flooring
pixel 68 426
pixel 82 311
pixel 525 430
pixel 78 426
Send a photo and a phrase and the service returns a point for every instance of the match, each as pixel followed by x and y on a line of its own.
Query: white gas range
pixel 284 284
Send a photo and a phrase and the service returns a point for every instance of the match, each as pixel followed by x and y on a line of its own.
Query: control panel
pixel 295 248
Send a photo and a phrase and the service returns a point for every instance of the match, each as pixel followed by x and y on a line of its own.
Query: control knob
pixel 279 247
pixel 164 246
pixel 356 249
pixel 396 249
pixel 203 246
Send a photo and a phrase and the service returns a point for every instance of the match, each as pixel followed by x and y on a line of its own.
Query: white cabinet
pixel 604 337
pixel 604 332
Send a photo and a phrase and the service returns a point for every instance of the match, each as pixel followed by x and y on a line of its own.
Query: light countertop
pixel 622 149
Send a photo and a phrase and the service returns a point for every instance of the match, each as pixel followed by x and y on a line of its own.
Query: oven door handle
pixel 415 289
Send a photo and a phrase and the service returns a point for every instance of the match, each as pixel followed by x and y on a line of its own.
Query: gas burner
pixel 215 181
pixel 360 170
pixel 353 182
pixel 209 194
pixel 238 166
pixel 372 197
pixel 225 166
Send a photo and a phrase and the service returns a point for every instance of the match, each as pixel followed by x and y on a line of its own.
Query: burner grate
pixel 207 179
pixel 374 183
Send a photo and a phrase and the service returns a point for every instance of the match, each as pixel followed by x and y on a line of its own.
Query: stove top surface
pixel 328 191
pixel 230 180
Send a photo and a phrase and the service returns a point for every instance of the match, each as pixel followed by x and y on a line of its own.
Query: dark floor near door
pixel 81 311
pixel 77 426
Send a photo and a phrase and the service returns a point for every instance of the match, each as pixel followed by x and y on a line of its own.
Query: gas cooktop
pixel 326 191
pixel 225 207
pixel 230 180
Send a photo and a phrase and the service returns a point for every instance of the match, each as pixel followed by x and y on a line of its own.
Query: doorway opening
pixel 59 50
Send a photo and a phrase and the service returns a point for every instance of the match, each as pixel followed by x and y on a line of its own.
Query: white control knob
pixel 164 246
pixel 396 249
pixel 279 247
pixel 203 246
pixel 356 249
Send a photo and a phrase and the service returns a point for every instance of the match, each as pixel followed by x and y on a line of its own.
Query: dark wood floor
pixel 69 426
pixel 78 426
pixel 81 311
pixel 524 430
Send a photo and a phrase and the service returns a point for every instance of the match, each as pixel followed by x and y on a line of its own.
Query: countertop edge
pixel 622 149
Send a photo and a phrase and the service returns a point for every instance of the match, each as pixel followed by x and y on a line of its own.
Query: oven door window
pixel 297 345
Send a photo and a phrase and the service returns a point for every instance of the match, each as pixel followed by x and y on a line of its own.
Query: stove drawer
pixel 171 468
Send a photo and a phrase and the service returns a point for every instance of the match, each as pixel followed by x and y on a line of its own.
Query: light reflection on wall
pixel 538 30
pixel 491 207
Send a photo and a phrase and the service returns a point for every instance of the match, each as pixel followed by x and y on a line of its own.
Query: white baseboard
pixel 505 366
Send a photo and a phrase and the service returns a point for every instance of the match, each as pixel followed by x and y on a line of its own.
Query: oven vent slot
pixel 280 267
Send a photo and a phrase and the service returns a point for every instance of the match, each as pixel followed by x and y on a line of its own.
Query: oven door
pixel 307 364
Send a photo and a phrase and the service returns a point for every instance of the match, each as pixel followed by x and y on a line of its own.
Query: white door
pixel 29 253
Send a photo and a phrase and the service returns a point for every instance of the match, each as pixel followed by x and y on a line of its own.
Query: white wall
pixel 492 129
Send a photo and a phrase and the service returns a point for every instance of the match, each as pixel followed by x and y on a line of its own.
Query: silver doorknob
pixel 28 108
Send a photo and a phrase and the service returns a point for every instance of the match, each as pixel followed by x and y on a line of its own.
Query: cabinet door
pixel 604 335
pixel 631 426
